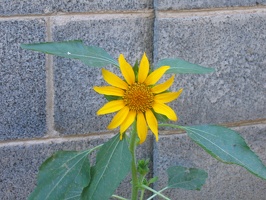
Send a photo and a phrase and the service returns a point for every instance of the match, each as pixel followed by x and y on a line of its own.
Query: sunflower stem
pixel 132 149
pixel 142 194
pixel 143 190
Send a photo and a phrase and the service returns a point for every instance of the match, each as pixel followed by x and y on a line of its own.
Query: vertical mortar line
pixel 155 35
pixel 49 86
pixel 154 54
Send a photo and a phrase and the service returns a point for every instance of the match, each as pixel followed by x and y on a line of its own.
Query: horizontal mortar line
pixel 138 13
pixel 244 123
pixel 100 14
pixel 66 138
pixel 64 19
pixel 237 124
pixel 57 139
pixel 210 12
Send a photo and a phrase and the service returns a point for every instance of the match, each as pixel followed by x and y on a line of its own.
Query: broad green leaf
pixel 63 176
pixel 112 166
pixel 179 66
pixel 227 146
pixel 89 55
pixel 186 178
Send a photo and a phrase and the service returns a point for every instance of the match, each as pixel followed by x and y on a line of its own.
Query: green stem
pixel 142 194
pixel 143 190
pixel 118 197
pixel 154 195
pixel 132 149
pixel 155 192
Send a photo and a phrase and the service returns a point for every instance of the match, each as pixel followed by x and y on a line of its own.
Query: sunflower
pixel 138 97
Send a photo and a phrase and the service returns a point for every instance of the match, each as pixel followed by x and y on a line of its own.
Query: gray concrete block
pixel 195 4
pixel 20 162
pixel 25 7
pixel 22 72
pixel 76 102
pixel 233 44
pixel 224 181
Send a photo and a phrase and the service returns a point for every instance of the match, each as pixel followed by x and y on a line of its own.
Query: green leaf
pixel 136 67
pixel 111 97
pixel 179 66
pixel 153 180
pixel 143 166
pixel 112 165
pixel 186 178
pixel 63 176
pixel 227 146
pixel 89 55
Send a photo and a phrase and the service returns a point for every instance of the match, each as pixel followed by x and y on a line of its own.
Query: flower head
pixel 139 97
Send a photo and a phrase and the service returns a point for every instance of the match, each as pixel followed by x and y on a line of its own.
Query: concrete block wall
pixel 47 103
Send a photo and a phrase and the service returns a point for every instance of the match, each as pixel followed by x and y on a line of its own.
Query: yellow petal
pixel 109 90
pixel 126 70
pixel 119 118
pixel 165 110
pixel 141 127
pixel 156 75
pixel 113 79
pixel 128 121
pixel 167 97
pixel 143 69
pixel 152 123
pixel 111 107
pixel 163 86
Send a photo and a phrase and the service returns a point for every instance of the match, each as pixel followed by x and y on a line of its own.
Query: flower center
pixel 138 97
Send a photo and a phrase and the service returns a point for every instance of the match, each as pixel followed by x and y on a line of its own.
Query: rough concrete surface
pixel 224 181
pixel 76 102
pixel 46 97
pixel 229 43
pixel 197 4
pixel 25 7
pixel 22 83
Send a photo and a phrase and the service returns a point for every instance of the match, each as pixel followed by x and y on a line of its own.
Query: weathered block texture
pixel 25 7
pixel 19 164
pixel 230 40
pixel 224 181
pixel 76 102
pixel 22 82
pixel 230 43
pixel 195 4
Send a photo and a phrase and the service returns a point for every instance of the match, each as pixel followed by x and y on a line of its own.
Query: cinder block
pixel 224 181
pixel 233 44
pixel 76 102
pixel 195 4
pixel 25 7
pixel 22 91
pixel 19 163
